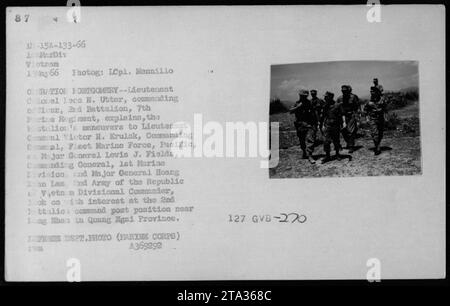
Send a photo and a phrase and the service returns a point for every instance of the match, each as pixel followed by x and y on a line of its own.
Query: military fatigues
pixel 375 111
pixel 379 87
pixel 331 121
pixel 318 105
pixel 306 125
pixel 350 105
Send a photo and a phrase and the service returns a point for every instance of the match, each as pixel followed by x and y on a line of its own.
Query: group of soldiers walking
pixel 334 118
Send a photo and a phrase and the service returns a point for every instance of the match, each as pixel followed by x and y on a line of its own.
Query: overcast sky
pixel 286 80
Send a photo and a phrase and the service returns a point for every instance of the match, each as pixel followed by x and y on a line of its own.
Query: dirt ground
pixel 400 151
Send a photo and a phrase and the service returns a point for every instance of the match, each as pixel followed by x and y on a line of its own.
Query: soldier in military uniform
pixel 375 84
pixel 350 104
pixel 317 103
pixel 375 110
pixel 330 123
pixel 306 124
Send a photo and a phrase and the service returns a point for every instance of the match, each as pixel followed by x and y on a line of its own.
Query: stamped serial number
pixel 292 217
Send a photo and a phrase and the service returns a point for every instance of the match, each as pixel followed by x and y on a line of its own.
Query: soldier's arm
pixel 321 120
pixel 316 117
pixel 356 103
pixel 383 105
pixel 295 107
pixel 368 108
pixel 365 108
pixel 342 114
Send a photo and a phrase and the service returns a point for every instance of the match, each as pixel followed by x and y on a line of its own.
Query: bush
pixel 408 128
pixel 411 126
pixel 396 101
pixel 392 121
pixel 276 106
pixel 412 95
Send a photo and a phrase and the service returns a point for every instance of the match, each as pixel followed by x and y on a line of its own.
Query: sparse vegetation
pixel 400 153
pixel 392 121
pixel 400 99
pixel 395 101
pixel 276 106
pixel 410 126
pixel 412 95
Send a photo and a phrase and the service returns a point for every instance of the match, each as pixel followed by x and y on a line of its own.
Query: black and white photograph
pixel 226 145
pixel 346 118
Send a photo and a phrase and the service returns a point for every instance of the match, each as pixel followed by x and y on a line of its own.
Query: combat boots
pixel 305 155
pixel 338 155
pixel 327 158
pixel 377 151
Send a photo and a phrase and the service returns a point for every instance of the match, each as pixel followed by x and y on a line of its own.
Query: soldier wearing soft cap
pixel 306 124
pixel 350 104
pixel 375 110
pixel 377 85
pixel 331 122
